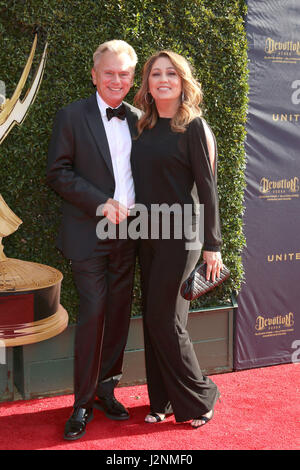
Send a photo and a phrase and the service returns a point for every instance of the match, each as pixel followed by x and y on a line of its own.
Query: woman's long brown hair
pixel 192 95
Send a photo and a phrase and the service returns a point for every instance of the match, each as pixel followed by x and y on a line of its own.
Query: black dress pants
pixel 174 378
pixel 104 283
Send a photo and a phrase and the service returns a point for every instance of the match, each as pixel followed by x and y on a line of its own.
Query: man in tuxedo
pixel 89 166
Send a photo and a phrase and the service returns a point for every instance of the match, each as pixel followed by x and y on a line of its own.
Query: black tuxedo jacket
pixel 80 171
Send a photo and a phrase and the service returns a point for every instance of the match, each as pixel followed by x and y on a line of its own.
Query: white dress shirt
pixel 119 141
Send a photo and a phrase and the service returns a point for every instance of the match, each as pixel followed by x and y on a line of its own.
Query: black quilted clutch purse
pixel 197 285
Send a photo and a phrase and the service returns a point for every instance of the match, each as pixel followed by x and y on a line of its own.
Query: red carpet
pixel 260 409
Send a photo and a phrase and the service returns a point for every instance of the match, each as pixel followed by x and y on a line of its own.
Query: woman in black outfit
pixel 174 160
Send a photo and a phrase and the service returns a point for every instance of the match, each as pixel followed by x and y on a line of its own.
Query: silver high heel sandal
pixel 205 418
pixel 158 418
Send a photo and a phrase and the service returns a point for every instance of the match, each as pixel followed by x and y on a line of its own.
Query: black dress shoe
pixel 76 424
pixel 112 408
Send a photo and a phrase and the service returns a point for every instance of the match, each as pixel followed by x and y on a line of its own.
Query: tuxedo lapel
pixel 97 129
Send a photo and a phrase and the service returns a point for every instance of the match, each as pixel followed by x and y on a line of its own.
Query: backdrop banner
pixel 268 315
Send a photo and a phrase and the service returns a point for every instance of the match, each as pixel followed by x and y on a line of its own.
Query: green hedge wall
pixel 210 33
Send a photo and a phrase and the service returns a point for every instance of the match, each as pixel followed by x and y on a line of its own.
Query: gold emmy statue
pixel 30 309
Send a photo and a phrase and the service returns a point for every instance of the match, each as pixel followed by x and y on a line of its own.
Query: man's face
pixel 113 77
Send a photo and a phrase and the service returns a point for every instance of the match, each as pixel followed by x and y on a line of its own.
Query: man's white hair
pixel 118 47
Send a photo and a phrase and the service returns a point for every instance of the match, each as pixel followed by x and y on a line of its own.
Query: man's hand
pixel 115 211
pixel 214 264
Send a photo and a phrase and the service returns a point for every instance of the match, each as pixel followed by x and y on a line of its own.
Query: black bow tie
pixel 117 112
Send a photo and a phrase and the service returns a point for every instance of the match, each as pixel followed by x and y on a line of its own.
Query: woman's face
pixel 164 81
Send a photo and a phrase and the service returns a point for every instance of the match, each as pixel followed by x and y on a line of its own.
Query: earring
pixel 146 98
pixel 182 97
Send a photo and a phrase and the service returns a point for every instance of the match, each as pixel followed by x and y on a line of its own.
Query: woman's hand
pixel 214 264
